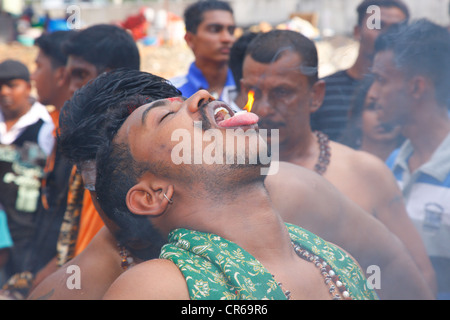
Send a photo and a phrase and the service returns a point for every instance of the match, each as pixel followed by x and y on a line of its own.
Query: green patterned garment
pixel 217 269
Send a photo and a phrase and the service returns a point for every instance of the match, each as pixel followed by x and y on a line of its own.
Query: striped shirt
pixel 331 118
pixel 427 197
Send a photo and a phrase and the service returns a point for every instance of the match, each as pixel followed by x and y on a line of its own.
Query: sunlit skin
pixel 228 218
pixel 162 118
pixel 297 193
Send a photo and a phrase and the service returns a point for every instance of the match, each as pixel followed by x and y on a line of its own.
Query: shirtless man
pixel 280 67
pixel 370 242
pixel 208 210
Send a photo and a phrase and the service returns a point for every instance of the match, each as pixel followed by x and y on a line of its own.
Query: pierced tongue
pixel 242 118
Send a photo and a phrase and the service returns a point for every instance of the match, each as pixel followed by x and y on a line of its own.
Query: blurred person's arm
pixel 308 200
pixel 98 266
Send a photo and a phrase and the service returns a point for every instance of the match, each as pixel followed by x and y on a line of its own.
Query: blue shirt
pixel 194 81
pixel 5 236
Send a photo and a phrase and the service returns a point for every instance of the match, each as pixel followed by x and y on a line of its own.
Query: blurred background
pixel 158 28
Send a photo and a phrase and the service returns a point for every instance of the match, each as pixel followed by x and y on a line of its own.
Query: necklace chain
pixel 336 287
pixel 324 153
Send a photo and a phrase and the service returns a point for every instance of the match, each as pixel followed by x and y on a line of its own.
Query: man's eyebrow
pixel 152 105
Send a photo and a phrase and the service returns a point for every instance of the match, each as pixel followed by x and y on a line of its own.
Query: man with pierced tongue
pixel 238 119
pixel 107 101
pixel 204 219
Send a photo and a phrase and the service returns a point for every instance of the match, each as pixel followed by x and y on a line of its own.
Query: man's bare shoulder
pixel 157 279
pixel 289 173
pixel 357 174
pixel 357 161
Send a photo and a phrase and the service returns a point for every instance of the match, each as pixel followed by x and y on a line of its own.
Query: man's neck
pixel 382 149
pixel 361 67
pixel 59 101
pixel 215 73
pixel 426 138
pixel 11 118
pixel 241 218
pixel 304 153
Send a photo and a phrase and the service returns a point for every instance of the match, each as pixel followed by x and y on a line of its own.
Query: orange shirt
pixel 90 223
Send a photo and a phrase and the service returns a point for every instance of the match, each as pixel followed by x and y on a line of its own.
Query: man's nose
pixel 4 89
pixel 73 86
pixel 226 36
pixel 197 99
pixel 372 93
pixel 262 106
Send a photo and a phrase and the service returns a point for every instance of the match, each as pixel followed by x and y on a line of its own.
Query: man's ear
pixel 61 77
pixel 317 95
pixel 417 86
pixel 145 199
pixel 189 38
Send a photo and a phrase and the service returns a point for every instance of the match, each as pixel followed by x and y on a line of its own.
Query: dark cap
pixel 12 69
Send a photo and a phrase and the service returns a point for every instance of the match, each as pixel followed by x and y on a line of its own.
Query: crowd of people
pixel 359 177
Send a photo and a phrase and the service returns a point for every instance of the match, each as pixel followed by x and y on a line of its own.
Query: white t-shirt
pixel 45 137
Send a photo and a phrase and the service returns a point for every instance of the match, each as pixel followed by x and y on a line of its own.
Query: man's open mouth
pixel 227 118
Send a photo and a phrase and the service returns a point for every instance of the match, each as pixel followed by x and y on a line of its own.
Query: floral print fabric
pixel 217 269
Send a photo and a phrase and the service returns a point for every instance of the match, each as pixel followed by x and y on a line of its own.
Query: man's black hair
pixel 51 45
pixel 88 124
pixel 421 48
pixel 117 173
pixel 361 10
pixel 106 47
pixel 193 15
pixel 83 116
pixel 270 46
pixel 237 55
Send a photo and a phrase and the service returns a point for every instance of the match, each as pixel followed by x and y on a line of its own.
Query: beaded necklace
pixel 324 153
pixel 336 287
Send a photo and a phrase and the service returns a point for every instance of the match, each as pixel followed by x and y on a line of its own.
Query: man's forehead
pixel 78 62
pixel 137 115
pixel 392 14
pixel 217 17
pixel 384 62
pixel 289 61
